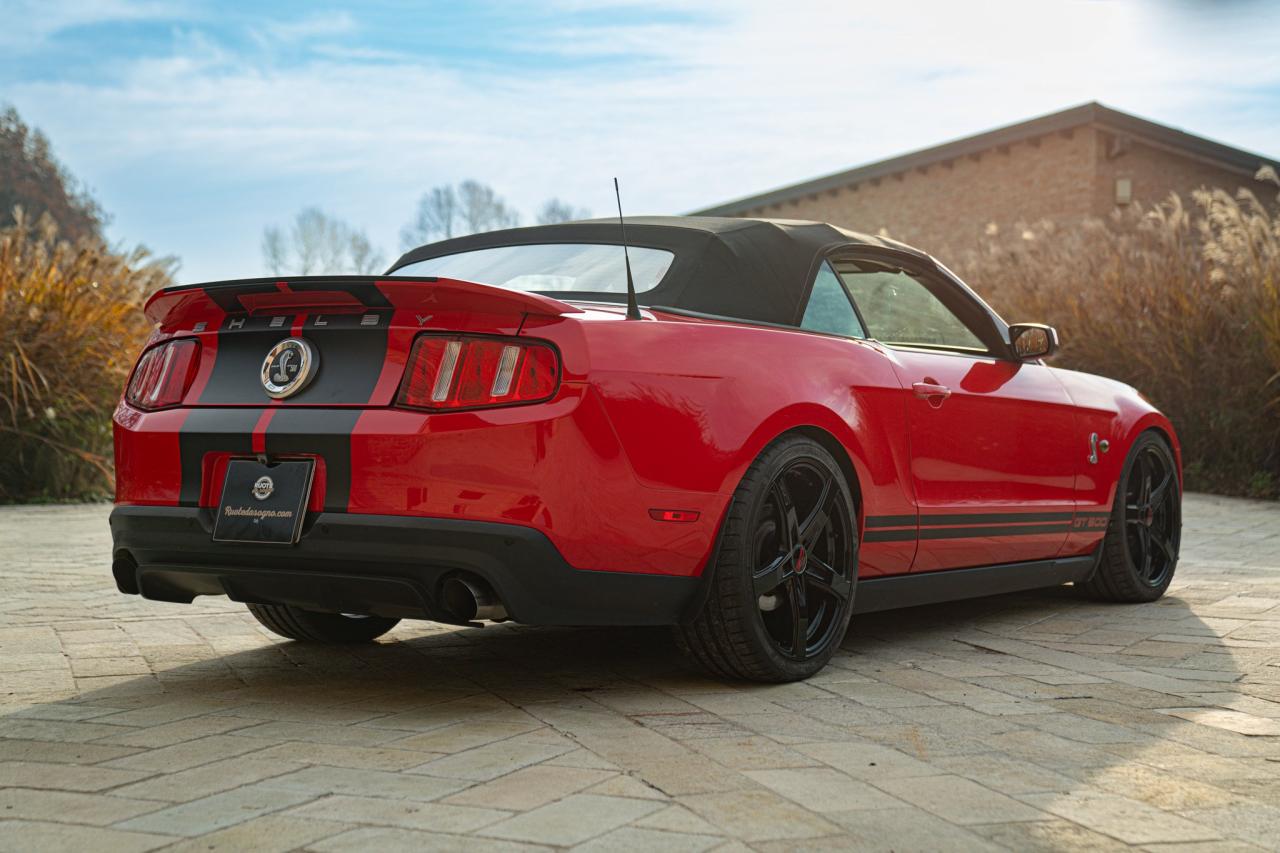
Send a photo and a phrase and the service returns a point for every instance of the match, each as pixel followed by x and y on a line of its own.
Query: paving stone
pixel 317 781
pixel 17 749
pixel 1005 774
pixel 179 731
pixel 571 820
pixel 1124 819
pixel 60 777
pixel 958 800
pixel 269 834
pixel 1049 836
pixel 529 787
pixel 26 836
pixel 903 830
pixel 197 782
pixel 822 789
pixel 867 760
pixel 677 819
pixel 336 755
pixel 395 840
pixel 758 816
pixel 411 815
pixel 630 839
pixel 95 809
pixel 1257 823
pixel 216 811
pixel 1233 721
pixel 624 785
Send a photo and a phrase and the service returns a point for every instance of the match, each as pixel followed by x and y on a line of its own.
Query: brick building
pixel 1079 163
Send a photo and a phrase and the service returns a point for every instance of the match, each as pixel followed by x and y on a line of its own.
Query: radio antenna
pixel 633 308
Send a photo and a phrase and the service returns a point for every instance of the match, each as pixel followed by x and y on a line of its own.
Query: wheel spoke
pixel 773 575
pixel 790 532
pixel 1162 542
pixel 1158 493
pixel 1132 514
pixel 816 522
pixel 828 580
pixel 1144 538
pixel 799 616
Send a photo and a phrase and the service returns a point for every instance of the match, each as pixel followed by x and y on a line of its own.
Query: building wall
pixel 946 207
pixel 1154 173
pixel 1063 177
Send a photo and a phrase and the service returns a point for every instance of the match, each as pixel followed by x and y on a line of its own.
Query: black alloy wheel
pixel 1140 551
pixel 1151 517
pixel 804 549
pixel 782 591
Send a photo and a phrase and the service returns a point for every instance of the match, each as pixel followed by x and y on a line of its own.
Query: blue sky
pixel 196 124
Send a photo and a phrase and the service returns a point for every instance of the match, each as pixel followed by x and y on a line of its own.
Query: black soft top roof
pixel 753 269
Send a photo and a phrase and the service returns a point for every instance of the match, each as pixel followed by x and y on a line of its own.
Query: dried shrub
pixel 1180 301
pixel 71 325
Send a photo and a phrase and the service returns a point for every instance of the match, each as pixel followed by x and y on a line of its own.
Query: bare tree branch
pixel 318 244
pixel 555 210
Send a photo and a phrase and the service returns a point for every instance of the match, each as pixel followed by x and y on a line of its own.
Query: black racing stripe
pixel 211 431
pixel 891 520
pixel 369 295
pixel 350 357
pixel 324 432
pixel 1106 514
pixel 991 532
pixel 228 297
pixel 994 518
pixel 889 535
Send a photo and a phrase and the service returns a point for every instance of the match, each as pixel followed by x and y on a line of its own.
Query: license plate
pixel 263 503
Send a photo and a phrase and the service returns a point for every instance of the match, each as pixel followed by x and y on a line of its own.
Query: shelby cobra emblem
pixel 289 367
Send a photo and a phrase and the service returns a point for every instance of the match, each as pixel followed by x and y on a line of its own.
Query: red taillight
pixel 163 375
pixel 461 372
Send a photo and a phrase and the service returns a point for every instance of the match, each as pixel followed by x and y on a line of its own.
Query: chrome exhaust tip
pixel 472 599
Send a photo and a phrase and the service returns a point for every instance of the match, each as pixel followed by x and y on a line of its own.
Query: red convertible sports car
pixel 748 429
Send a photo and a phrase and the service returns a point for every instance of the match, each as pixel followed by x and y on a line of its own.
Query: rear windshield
pixel 579 267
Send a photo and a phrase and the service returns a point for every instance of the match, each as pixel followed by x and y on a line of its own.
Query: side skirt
pixel 874 594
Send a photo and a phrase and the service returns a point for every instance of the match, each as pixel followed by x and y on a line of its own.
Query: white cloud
pixel 319 26
pixel 764 94
pixel 27 24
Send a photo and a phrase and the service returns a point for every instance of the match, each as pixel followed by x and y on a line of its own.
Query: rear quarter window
pixel 551 267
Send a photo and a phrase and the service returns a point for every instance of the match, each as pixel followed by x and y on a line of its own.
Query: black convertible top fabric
pixel 753 269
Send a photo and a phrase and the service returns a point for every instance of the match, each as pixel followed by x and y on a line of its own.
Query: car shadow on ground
pixel 1018 659
pixel 1064 721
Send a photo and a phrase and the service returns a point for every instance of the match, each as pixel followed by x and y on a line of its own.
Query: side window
pixel 899 309
pixel 829 309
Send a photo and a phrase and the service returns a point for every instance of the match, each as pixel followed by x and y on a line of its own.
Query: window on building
pixel 829 309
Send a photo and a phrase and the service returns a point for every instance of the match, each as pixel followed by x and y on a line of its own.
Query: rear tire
pixel 308 626
pixel 783 579
pixel 1140 550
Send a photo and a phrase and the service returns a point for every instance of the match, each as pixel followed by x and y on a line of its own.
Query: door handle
pixel 936 394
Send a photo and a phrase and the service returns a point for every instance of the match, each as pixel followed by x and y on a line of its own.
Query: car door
pixel 889 535
pixel 989 434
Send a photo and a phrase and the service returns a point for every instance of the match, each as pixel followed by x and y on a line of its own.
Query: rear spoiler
pixel 176 307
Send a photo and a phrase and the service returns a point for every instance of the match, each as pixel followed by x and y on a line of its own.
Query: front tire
pixel 782 590
pixel 1140 550
pixel 308 626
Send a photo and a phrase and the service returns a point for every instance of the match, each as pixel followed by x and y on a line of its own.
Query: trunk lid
pixel 360 328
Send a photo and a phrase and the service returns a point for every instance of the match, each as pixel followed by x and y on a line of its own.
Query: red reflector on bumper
pixel 673 514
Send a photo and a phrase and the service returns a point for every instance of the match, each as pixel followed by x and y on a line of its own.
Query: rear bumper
pixel 383 565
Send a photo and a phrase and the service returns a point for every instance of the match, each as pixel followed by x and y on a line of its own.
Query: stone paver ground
pixel 1023 722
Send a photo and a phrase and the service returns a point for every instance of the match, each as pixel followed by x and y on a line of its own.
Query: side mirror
pixel 1033 340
